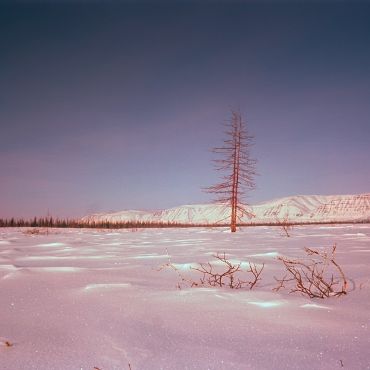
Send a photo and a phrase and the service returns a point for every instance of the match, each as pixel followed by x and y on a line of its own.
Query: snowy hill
pixel 301 208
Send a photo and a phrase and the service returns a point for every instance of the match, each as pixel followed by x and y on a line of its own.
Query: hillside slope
pixel 301 208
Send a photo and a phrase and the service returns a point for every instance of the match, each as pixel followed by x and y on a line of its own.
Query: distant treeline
pixel 50 222
pixel 72 223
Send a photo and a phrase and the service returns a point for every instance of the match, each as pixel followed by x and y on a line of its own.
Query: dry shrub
pixel 316 276
pixel 33 231
pixel 286 226
pixel 41 231
pixel 226 274
pixel 229 276
pixel 37 231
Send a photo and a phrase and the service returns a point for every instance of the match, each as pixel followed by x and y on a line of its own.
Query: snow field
pixel 80 298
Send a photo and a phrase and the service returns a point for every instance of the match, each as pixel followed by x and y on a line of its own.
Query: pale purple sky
pixel 113 106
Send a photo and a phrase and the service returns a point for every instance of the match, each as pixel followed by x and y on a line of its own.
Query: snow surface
pixel 300 208
pixel 79 299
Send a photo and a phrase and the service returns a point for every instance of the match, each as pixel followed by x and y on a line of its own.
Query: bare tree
pixel 237 168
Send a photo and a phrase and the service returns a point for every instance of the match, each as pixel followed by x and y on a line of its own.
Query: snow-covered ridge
pixel 300 208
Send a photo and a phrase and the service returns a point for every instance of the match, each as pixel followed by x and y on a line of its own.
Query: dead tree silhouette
pixel 237 168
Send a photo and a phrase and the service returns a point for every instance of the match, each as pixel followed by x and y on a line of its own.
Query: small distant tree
pixel 237 168
pixel 285 224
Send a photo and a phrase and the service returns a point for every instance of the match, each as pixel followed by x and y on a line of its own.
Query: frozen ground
pixel 79 299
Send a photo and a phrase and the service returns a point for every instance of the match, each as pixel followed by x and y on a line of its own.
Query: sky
pixel 106 106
